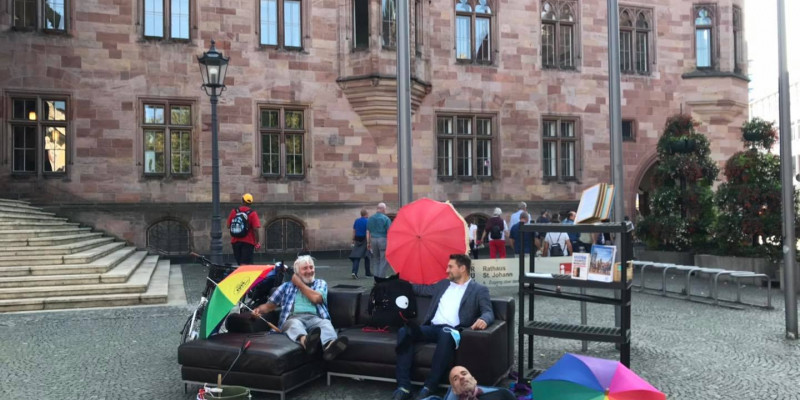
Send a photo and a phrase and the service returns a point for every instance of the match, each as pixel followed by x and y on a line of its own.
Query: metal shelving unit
pixel 532 286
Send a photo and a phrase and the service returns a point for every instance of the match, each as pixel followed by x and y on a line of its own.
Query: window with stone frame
pixel 284 234
pixel 560 141
pixel 705 28
pixel 39 127
pixel 635 27
pixel 628 130
pixel 389 23
pixel 167 19
pixel 360 24
pixel 464 146
pixel 738 41
pixel 474 31
pixel 167 132
pixel 45 15
pixel 282 131
pixel 281 24
pixel 418 26
pixel 559 33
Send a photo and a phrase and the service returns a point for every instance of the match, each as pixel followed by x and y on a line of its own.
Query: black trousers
pixel 243 253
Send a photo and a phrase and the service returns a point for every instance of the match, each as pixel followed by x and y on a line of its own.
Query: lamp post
pixel 213 66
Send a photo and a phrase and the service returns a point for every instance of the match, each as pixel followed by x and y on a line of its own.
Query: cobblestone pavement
pixel 688 350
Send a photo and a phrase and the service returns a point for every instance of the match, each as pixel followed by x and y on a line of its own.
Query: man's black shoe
pixel 312 340
pixel 334 348
pixel 423 393
pixel 401 394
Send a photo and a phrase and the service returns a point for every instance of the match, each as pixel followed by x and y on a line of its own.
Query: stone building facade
pixel 509 98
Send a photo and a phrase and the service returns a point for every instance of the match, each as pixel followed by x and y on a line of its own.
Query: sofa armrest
pixel 485 353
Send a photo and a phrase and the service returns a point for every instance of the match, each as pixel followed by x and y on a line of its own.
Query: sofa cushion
pixel 379 347
pixel 423 302
pixel 343 305
pixel 271 354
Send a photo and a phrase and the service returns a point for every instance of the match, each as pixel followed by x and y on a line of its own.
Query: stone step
pixel 49 240
pixel 11 202
pixel 61 249
pixel 56 303
pixel 136 284
pixel 158 290
pixel 28 225
pixel 118 274
pixel 12 216
pixel 22 210
pixel 156 293
pixel 100 265
pixel 81 257
pixel 43 232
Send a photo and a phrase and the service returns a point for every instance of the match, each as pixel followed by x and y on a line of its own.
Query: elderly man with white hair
pixel 522 207
pixel 377 228
pixel 497 230
pixel 304 311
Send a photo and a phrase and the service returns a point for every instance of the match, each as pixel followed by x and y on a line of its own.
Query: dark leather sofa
pixel 275 364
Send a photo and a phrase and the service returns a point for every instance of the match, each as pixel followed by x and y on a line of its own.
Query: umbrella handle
pixel 273 327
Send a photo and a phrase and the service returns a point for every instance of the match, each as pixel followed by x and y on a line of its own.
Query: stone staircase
pixel 47 262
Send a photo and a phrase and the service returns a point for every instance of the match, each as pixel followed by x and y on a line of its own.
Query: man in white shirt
pixel 457 302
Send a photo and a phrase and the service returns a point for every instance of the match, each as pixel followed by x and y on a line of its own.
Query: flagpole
pixel 787 186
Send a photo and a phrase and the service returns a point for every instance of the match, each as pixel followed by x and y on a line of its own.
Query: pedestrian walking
pixel 243 224
pixel 377 227
pixel 360 245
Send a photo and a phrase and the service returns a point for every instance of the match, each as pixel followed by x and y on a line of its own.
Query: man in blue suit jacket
pixel 457 303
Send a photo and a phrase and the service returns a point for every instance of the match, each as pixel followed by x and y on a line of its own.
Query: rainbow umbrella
pixel 576 377
pixel 228 293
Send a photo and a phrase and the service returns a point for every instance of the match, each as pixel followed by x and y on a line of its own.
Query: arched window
pixel 559 43
pixel 285 234
pixel 703 28
pixel 474 30
pixel 634 40
pixel 169 236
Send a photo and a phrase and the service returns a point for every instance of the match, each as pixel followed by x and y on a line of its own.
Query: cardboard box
pixel 618 271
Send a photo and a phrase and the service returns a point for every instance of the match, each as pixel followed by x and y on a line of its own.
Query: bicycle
pixel 216 273
pixel 254 297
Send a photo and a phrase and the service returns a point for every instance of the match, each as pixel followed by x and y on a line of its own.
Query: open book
pixel 595 205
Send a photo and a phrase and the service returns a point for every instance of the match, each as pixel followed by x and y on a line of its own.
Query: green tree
pixel 682 211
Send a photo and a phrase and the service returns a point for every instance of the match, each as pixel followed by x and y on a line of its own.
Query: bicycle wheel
pixel 191 328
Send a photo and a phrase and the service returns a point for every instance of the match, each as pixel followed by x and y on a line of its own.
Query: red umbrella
pixel 421 239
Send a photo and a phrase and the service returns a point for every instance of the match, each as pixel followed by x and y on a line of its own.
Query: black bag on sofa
pixel 391 303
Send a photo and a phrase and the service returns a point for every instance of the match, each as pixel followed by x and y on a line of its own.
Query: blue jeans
pixel 442 357
pixel 357 261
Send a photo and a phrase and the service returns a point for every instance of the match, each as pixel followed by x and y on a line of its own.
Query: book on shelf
pixel 601 262
pixel 595 205
pixel 580 266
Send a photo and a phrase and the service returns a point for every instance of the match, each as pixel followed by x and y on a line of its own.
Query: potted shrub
pixel 682 205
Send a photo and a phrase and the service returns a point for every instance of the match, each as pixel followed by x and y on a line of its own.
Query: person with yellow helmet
pixel 243 224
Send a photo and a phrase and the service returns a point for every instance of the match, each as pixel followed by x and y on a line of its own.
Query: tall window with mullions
pixel 464 146
pixel 39 140
pixel 282 133
pixel 559 149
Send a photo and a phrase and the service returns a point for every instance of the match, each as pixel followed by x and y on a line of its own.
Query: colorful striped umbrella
pixel 228 293
pixel 576 377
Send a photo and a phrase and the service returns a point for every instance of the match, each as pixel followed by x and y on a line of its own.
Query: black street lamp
pixel 213 66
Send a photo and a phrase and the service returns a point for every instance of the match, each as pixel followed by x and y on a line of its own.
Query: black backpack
pixel 239 224
pixel 555 249
pixel 496 232
pixel 391 303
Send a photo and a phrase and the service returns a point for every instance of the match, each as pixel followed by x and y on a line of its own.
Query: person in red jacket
pixel 244 246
